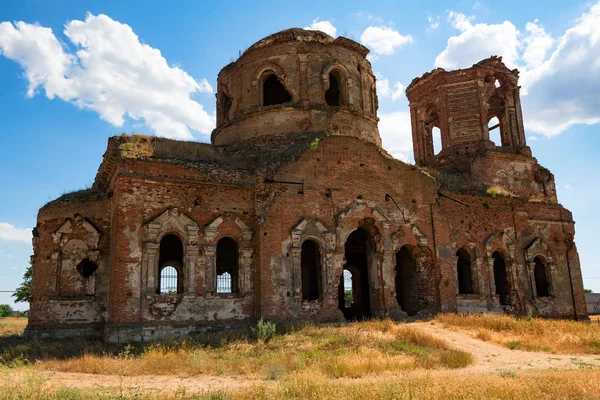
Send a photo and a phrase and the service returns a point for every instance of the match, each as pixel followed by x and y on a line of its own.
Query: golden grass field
pixel 534 334
pixel 371 359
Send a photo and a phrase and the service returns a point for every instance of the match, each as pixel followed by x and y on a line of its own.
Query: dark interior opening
pixel 310 259
pixel 333 94
pixel 274 92
pixel 225 106
pixel 407 290
pixel 356 254
pixel 541 279
pixel 87 268
pixel 464 271
pixel 227 266
pixel 170 260
pixel 501 278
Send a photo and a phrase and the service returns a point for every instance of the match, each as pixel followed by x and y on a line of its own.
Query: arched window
pixel 169 279
pixel 494 130
pixel 433 134
pixel 464 272
pixel 501 278
pixel 227 266
pixel 436 137
pixel 333 95
pixel 274 92
pixel 225 105
pixel 541 278
pixel 310 261
pixel 407 281
pixel 170 262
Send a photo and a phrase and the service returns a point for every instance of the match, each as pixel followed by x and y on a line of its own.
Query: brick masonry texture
pixel 309 166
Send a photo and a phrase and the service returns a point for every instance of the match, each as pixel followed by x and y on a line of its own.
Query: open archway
pixel 464 272
pixel 501 278
pixel 355 278
pixel 407 287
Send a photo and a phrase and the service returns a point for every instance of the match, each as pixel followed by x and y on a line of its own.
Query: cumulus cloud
pixel 323 26
pixel 111 72
pixel 477 42
pixel 396 134
pixel 11 233
pixel 559 76
pixel 384 89
pixel 537 43
pixel 383 40
pixel 563 89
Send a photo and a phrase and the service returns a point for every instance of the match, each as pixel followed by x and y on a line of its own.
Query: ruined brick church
pixel 296 213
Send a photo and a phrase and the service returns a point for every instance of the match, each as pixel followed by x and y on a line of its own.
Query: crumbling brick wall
pixel 279 175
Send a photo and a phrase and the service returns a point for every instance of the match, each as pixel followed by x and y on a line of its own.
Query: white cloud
pixel 537 43
pixel 560 77
pixel 563 89
pixel 9 232
pixel 396 134
pixel 460 21
pixel 111 72
pixel 434 23
pixel 477 42
pixel 382 40
pixel 384 90
pixel 533 138
pixel 323 26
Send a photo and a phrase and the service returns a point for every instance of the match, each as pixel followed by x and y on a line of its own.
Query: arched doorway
pixel 355 279
pixel 407 288
pixel 501 278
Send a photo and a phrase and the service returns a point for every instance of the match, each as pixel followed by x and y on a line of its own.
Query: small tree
pixel 587 290
pixel 23 292
pixel 6 310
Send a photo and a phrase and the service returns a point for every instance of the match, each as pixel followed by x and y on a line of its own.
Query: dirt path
pixel 490 357
pixel 145 383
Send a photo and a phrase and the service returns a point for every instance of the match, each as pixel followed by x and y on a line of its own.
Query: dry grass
pixel 12 326
pixel 440 385
pixel 351 350
pixel 532 334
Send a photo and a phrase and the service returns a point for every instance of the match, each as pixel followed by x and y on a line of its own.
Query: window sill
pixel 470 296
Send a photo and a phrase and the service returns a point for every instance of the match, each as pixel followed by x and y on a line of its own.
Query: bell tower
pixel 466 108
pixel 461 105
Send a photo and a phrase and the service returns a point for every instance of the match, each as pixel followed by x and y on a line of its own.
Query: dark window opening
pixel 464 272
pixel 310 260
pixel 541 279
pixel 407 290
pixel 87 268
pixel 501 278
pixel 225 103
pixel 170 261
pixel 274 92
pixel 227 266
pixel 357 252
pixel 333 94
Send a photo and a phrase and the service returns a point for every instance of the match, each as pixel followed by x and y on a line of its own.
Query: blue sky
pixel 73 73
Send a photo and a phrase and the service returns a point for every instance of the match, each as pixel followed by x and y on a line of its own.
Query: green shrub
pixel 264 330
